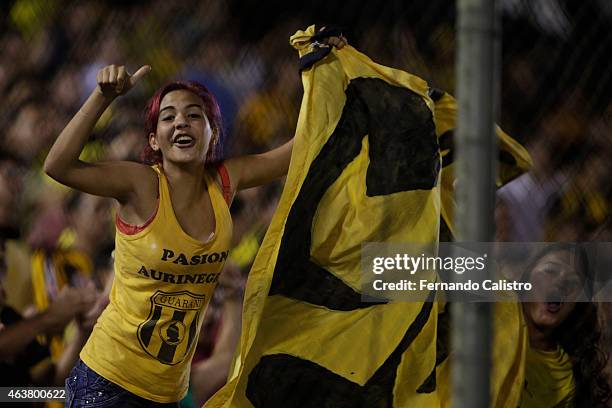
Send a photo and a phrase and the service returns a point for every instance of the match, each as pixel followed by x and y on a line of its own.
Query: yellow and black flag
pixel 513 159
pixel 366 167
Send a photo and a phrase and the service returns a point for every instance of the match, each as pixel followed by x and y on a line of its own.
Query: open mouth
pixel 553 307
pixel 183 140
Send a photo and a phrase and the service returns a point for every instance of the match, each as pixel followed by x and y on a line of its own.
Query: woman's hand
pixel 123 180
pixel 115 80
pixel 338 42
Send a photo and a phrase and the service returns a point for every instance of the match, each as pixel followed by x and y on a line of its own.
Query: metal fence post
pixel 477 94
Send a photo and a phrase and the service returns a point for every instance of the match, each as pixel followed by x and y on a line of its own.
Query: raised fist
pixel 115 80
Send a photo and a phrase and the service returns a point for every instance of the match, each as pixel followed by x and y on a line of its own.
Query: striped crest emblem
pixel 172 326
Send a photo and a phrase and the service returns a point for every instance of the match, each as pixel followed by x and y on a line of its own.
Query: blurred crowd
pixel 556 88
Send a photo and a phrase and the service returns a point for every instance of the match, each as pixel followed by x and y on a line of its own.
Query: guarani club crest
pixel 172 326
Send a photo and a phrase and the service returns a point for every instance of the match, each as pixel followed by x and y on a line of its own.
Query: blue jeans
pixel 85 388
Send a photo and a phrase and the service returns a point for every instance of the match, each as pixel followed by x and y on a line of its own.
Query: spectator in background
pixel 72 263
pixel 16 259
pixel 268 115
pixel 565 365
pixel 220 336
pixel 526 202
pixel 21 354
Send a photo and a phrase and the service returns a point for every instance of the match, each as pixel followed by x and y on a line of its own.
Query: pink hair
pixel 211 109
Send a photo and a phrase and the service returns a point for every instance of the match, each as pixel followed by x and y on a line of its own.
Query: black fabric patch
pixel 328 31
pixel 16 370
pixel 404 152
pixel 445 232
pixel 447 141
pixel 442 349
pixel 404 156
pixel 308 60
pixel 507 158
pixel 435 94
pixel 283 380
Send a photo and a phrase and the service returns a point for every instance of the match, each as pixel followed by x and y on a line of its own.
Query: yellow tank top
pixel 549 380
pixel 145 339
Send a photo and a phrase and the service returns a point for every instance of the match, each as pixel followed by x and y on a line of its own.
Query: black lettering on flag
pixel 149 326
pixel 442 350
pixel 282 380
pixel 404 156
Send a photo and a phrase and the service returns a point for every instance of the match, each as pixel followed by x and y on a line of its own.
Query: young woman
pixel 173 237
pixel 564 366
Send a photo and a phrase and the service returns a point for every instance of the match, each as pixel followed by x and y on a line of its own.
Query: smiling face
pixel 559 282
pixel 183 133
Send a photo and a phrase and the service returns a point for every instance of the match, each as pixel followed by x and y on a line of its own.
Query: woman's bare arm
pixel 257 169
pixel 254 170
pixel 110 179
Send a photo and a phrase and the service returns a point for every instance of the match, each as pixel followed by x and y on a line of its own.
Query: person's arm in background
pixel 211 374
pixel 56 374
pixel 70 303
pixel 73 347
pixel 70 355
pixel 91 316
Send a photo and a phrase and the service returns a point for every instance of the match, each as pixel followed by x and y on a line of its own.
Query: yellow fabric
pixel 49 276
pixel 66 238
pixel 352 346
pixel 445 113
pixel 145 339
pixel 549 379
pixel 244 253
pixel 50 273
pixel 18 282
pixel 510 340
